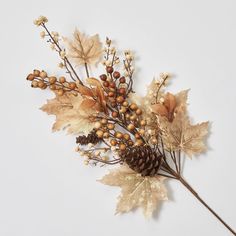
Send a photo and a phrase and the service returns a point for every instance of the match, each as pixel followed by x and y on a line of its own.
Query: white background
pixel 45 190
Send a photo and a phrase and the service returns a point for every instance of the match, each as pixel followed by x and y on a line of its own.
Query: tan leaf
pixel 69 114
pixel 181 135
pixel 84 49
pixel 170 102
pixel 136 190
pixel 160 109
pixel 181 100
pixel 83 90
pixel 87 104
pixel 99 92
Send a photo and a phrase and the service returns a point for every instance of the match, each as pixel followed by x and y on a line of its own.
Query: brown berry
pixel 104 121
pixel 131 127
pixel 109 69
pixel 106 84
pixel 113 142
pixel 113 104
pixel 133 117
pixel 141 131
pixel 41 84
pixel 72 85
pixel 118 135
pixel 122 146
pixel 139 112
pixel 116 75
pixel 139 142
pixel 137 136
pixel 110 126
pixel 52 80
pixel 106 135
pixel 122 90
pixel 127 116
pixel 127 137
pixel 34 84
pixel 133 106
pixel 112 85
pixel 122 80
pixel 114 114
pixel 130 143
pixel 125 104
pixel 120 99
pixel 53 87
pixel 62 79
pixel 36 73
pixel 99 133
pixel 43 74
pixel 143 122
pixel 60 92
pixel 103 77
pixel 30 77
pixel 111 94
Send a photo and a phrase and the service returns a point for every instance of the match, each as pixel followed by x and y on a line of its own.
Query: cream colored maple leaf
pixel 137 191
pixel 181 135
pixel 84 49
pixel 69 115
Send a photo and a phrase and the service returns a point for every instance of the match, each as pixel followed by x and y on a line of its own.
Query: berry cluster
pixel 40 79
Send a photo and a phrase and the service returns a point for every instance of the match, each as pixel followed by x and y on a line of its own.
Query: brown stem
pixel 206 205
pixel 59 48
pixel 86 69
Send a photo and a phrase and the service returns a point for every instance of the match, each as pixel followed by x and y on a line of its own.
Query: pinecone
pixel 90 138
pixel 143 160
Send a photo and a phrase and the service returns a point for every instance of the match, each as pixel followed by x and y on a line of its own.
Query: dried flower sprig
pixel 147 136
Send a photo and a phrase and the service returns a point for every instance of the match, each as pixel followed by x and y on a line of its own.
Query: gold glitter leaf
pixel 181 135
pixel 84 49
pixel 136 190
pixel 69 114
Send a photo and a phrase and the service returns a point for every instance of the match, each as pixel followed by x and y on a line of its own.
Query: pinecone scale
pixel 143 160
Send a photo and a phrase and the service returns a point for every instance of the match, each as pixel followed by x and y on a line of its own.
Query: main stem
pixel 205 204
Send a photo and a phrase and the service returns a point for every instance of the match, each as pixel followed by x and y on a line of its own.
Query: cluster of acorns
pixel 40 79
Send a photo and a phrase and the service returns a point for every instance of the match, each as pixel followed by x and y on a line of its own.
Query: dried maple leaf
pixel 181 135
pixel 101 99
pixel 171 105
pixel 69 115
pixel 84 49
pixel 137 191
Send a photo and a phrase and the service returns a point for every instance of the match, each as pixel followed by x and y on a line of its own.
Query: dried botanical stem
pixel 185 183
pixel 160 86
pixel 65 58
pixel 86 69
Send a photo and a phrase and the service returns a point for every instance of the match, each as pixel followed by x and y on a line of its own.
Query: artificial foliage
pixel 146 137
